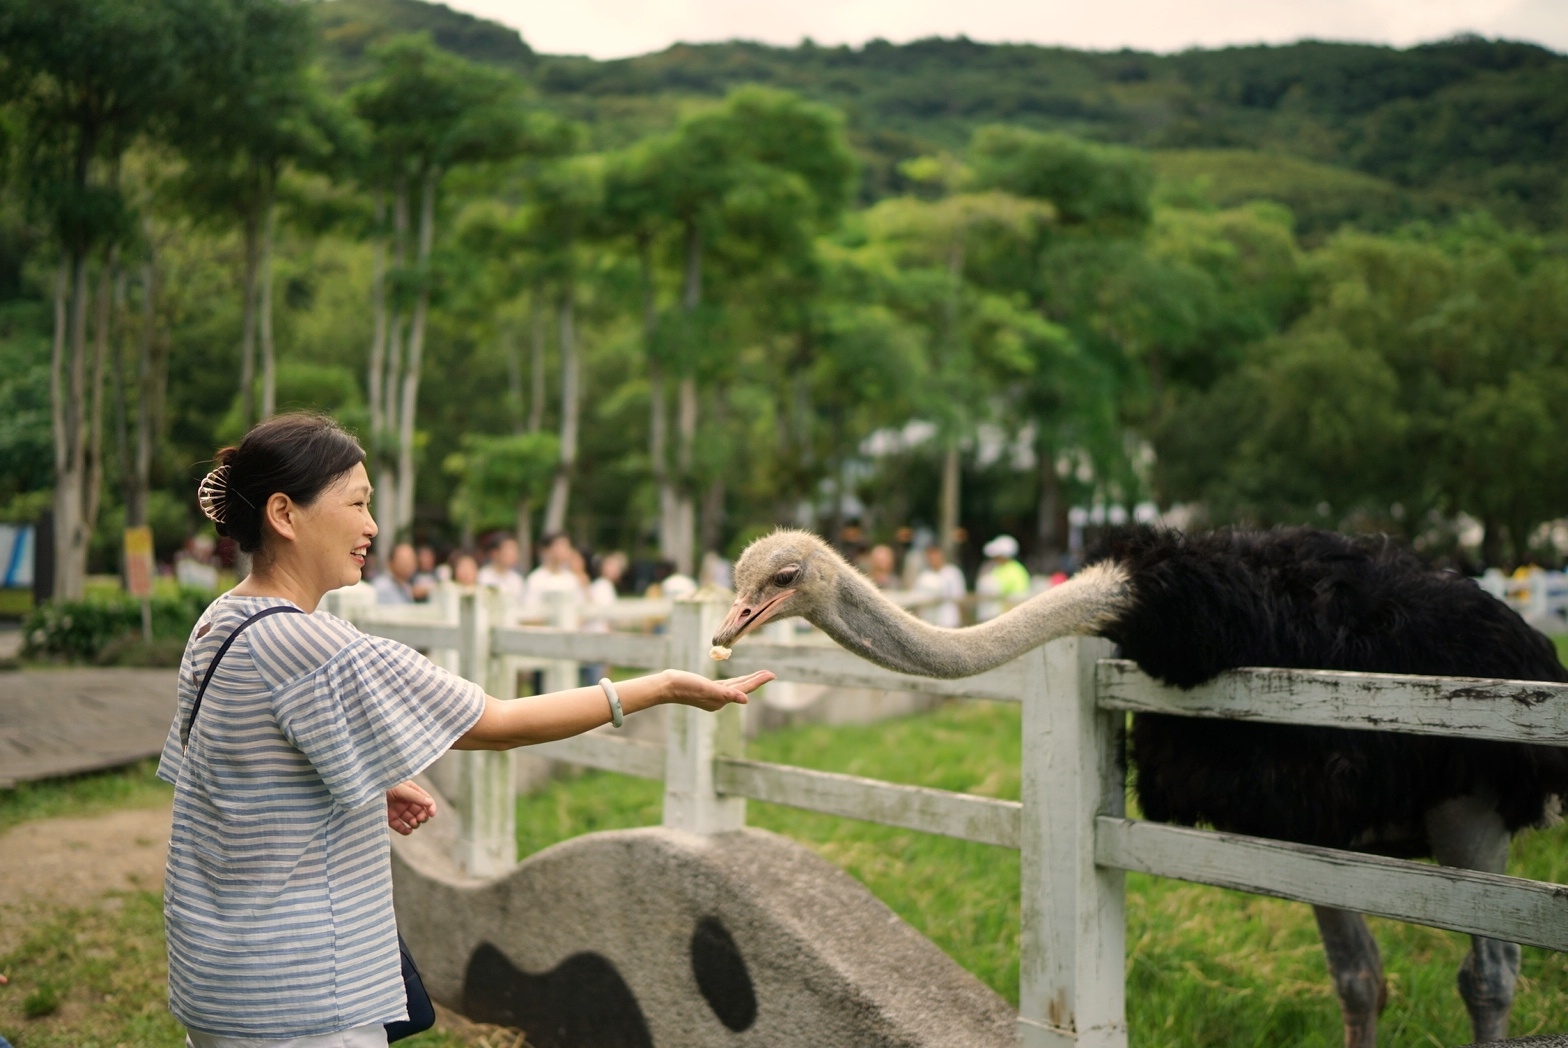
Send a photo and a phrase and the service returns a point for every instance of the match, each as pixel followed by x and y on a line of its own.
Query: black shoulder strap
pixel 190 725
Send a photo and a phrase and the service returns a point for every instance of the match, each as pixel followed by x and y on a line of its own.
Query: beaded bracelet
pixel 617 718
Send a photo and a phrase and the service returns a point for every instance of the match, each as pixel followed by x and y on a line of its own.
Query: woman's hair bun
pixel 298 454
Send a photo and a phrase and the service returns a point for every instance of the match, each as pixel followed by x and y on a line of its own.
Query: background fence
pixel 1070 823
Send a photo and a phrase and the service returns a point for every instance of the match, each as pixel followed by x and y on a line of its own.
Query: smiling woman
pixel 278 895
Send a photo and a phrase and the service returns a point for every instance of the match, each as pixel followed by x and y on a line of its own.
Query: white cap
pixel 677 587
pixel 1001 546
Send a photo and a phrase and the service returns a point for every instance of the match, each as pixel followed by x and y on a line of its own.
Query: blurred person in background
pixel 1002 581
pixel 716 572
pixel 500 569
pixel 881 568
pixel 560 571
pixel 429 571
pixel 396 584
pixel 940 580
pixel 464 568
pixel 607 587
pixel 603 592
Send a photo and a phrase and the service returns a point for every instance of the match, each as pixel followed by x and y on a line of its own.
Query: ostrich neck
pixel 873 627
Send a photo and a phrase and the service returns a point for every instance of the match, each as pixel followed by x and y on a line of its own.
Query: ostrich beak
pixel 745 615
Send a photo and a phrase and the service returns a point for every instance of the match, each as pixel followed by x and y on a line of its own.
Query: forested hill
pixel 1467 122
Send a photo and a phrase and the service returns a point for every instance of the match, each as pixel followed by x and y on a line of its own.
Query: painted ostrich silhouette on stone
pixel 1187 607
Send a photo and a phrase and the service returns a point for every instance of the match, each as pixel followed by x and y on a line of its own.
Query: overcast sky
pixel 616 28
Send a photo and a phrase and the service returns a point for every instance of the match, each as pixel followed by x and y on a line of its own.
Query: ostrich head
pixel 796 573
pixel 786 573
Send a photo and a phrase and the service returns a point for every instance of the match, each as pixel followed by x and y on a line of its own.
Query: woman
pixel 278 893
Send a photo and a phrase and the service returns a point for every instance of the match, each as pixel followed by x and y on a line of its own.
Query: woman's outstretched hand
pixel 692 689
pixel 409 807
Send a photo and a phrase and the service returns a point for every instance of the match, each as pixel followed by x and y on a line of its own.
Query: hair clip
pixel 212 494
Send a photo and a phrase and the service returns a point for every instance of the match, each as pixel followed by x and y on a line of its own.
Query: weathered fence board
pixel 1523 711
pixel 1072 931
pixel 960 815
pixel 1509 908
pixel 422 635
pixel 607 753
pixel 619 649
pixel 820 664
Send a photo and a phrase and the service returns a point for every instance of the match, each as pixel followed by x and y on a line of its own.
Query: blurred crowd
pixel 937 590
pixel 913 570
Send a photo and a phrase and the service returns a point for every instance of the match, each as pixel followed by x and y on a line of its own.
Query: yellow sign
pixel 139 568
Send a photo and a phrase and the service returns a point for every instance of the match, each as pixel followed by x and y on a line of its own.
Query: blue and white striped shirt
pixel 278 892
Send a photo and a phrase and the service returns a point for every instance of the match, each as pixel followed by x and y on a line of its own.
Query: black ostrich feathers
pixel 1309 599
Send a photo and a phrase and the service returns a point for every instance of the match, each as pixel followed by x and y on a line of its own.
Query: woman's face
pixel 334 532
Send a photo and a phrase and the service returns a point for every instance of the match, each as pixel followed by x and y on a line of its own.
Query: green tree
pixel 499 477
pixel 87 78
pixel 979 337
pixel 427 112
pixel 745 185
pixel 260 108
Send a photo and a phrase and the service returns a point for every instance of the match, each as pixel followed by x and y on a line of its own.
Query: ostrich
pixel 1185 608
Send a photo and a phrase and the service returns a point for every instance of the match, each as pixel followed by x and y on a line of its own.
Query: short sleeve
pixel 373 715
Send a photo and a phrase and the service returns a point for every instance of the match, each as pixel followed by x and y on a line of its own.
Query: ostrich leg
pixel 1468 833
pixel 1357 967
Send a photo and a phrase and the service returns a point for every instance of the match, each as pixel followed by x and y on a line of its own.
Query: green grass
pixel 134 786
pixel 96 977
pixel 1204 966
pixel 1561 640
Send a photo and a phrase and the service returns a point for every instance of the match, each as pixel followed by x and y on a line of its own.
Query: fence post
pixel 1072 988
pixel 694 738
pixel 565 614
pixel 487 811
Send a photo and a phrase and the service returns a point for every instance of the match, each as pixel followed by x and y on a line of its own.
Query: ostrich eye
pixel 785 577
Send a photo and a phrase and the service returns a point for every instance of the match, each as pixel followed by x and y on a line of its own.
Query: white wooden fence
pixel 1070 823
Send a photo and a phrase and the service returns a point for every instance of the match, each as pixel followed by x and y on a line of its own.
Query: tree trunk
pixel 269 362
pixel 685 507
pixel 385 439
pixel 125 448
pixel 525 535
pixel 65 384
pixel 947 526
pixel 378 337
pixel 686 413
pixel 1519 532
pixel 1050 526
pixel 416 352
pixel 947 512
pixel 76 419
pixel 712 529
pixel 658 405
pixel 561 485
pixel 507 339
pixel 658 453
pixel 151 375
pixel 92 483
pixel 536 377
pixel 1492 543
pixel 248 328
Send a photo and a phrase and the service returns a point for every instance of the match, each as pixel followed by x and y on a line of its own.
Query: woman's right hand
pixel 693 689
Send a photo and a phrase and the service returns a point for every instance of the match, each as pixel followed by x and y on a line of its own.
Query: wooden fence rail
pixel 1070 823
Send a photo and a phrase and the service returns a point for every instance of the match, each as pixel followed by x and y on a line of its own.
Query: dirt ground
pixel 60 863
pixel 54 864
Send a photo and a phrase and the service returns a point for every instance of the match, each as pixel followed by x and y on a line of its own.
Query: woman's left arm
pixel 562 714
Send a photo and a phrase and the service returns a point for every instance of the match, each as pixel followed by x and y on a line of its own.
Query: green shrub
pixel 79 630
